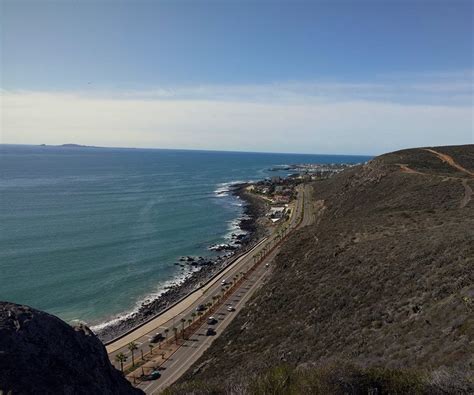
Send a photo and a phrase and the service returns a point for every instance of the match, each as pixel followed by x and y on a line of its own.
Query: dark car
pixel 210 332
pixel 211 321
pixel 152 376
pixel 157 337
pixel 201 307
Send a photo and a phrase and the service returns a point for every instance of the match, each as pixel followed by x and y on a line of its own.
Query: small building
pixel 276 213
pixel 281 199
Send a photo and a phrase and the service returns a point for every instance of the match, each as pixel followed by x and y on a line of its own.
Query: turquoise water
pixel 88 233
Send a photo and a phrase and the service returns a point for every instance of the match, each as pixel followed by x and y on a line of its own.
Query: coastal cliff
pixel 40 354
pixel 376 295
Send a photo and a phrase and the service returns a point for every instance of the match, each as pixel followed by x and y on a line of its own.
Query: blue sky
pixel 223 64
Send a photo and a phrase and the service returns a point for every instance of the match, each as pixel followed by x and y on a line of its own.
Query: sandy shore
pixel 254 209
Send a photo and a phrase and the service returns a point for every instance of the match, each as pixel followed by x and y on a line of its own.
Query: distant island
pixel 70 145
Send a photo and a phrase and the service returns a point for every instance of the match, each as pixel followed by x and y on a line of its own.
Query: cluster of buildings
pixel 314 171
pixel 276 190
pixel 279 192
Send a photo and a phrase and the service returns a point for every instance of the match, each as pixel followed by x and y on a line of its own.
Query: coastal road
pixel 193 347
pixel 173 368
pixel 179 357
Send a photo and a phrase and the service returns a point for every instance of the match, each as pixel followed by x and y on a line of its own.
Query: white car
pixel 231 308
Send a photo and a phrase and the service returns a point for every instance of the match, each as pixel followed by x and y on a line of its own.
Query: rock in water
pixel 41 354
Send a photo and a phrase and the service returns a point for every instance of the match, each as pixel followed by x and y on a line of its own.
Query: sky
pixel 347 77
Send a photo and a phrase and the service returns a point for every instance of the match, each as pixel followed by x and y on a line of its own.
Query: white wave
pixel 147 299
pixel 233 227
pixel 224 188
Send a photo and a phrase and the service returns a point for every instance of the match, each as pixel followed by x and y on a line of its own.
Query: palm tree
pixel 151 348
pixel 175 330
pixel 193 315
pixel 166 332
pixel 182 324
pixel 132 347
pixel 190 321
pixel 121 357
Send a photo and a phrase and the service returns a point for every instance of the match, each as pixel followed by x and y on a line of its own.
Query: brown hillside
pixel 385 278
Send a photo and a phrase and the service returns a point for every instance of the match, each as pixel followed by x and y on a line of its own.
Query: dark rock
pixel 40 354
pixel 222 247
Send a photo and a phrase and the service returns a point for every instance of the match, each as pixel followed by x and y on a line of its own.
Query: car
pixel 210 332
pixel 157 337
pixel 223 282
pixel 201 307
pixel 231 308
pixel 211 321
pixel 152 376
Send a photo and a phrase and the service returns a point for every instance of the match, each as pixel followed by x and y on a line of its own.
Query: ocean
pixel 89 233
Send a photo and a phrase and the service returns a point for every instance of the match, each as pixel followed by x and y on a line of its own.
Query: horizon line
pixel 85 146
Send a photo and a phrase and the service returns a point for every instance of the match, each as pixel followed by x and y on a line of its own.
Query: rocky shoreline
pixel 204 268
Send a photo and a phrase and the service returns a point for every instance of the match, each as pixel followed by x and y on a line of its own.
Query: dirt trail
pixel 406 169
pixel 450 161
pixel 467 194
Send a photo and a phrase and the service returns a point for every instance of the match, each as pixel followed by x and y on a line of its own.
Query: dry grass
pixel 340 378
pixel 384 279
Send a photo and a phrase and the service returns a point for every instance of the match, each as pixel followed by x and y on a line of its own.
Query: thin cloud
pixel 232 119
pixel 440 89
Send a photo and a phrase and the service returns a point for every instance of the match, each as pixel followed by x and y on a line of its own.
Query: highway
pixel 180 350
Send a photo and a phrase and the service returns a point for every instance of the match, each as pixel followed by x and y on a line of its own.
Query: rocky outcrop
pixel 40 354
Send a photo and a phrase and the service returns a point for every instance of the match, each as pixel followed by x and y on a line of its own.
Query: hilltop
pixel 378 293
